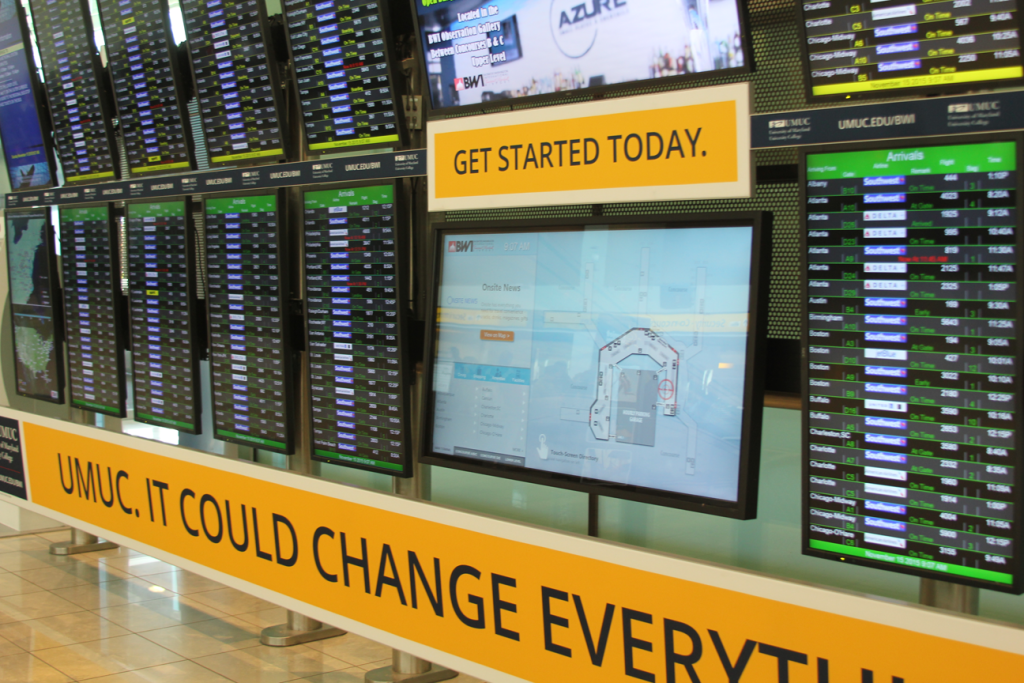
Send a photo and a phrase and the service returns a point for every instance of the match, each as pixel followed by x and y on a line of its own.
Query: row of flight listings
pixel 340 61
pixel 352 318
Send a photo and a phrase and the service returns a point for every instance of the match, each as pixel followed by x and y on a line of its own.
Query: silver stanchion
pixel 81 542
pixel 949 596
pixel 407 668
pixel 298 630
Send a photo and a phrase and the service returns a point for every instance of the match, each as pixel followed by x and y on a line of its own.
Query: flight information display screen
pixel 81 126
pixel 141 58
pixel 885 47
pixel 353 329
pixel 26 147
pixel 346 86
pixel 246 297
pixel 92 311
pixel 614 355
pixel 236 85
pixel 161 280
pixel 911 455
pixel 32 275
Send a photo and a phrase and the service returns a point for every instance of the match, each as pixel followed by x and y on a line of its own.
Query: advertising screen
pixel 93 316
pixel 161 281
pixel 26 147
pixel 341 56
pixel 478 52
pixel 81 122
pixel 246 298
pixel 879 48
pixel 621 358
pixel 143 66
pixel 353 329
pixel 911 383
pixel 32 274
pixel 236 85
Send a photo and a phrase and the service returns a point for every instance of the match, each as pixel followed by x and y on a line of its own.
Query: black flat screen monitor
pixel 79 107
pixel 343 61
pixel 354 324
pixel 895 48
pixel 35 294
pixel 237 85
pixel 478 52
pixel 247 302
pixel 912 373
pixel 162 309
pixel 143 64
pixel 28 148
pixel 93 308
pixel 616 356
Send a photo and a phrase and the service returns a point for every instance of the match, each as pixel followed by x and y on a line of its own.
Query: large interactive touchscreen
pixel 478 52
pixel 911 460
pixel 32 273
pixel 619 357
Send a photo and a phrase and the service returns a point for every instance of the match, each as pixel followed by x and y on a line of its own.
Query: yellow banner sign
pixel 686 144
pixel 496 599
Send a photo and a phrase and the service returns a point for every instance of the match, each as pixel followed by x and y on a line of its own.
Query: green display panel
pixel 912 373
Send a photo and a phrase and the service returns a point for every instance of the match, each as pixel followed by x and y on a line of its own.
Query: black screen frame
pixel 1017 587
pixel 194 314
pixel 119 309
pixel 699 79
pixel 745 506
pixel 402 269
pixel 284 278
pixel 56 304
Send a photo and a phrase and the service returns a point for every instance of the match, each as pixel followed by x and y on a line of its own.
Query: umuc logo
pixel 455 246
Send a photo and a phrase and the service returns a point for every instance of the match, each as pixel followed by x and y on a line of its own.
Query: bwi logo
pixel 455 246
pixel 468 82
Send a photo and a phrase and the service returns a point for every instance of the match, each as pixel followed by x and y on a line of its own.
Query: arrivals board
pixel 353 329
pixel 81 120
pixel 32 277
pixel 141 56
pixel 236 84
pixel 879 49
pixel 250 362
pixel 340 53
pixel 161 282
pixel 92 309
pixel 911 382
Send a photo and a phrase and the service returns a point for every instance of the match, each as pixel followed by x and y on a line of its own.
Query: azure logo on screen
pixel 574 23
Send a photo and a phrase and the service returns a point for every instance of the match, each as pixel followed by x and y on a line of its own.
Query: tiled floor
pixel 118 616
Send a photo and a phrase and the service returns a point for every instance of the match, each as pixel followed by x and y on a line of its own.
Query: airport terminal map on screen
pixel 35 347
pixel 609 354
pixel 479 51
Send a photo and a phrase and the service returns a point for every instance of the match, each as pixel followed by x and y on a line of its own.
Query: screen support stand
pixel 949 596
pixel 299 629
pixel 407 668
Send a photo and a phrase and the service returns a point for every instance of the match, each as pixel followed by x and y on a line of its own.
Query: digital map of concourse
pixel 30 298
pixel 616 355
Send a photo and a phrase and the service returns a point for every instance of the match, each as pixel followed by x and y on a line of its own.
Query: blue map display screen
pixel 611 354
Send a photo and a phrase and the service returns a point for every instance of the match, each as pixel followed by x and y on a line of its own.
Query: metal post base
pixel 81 542
pixel 298 630
pixel 386 674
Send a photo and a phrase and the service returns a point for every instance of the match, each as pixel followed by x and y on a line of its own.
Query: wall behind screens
pixel 477 53
pixel 32 273
pixel 912 386
pixel 250 362
pixel 81 117
pixel 342 56
pixel 621 358
pixel 161 281
pixel 237 84
pixel 27 148
pixel 354 329
pixel 93 313
pixel 147 88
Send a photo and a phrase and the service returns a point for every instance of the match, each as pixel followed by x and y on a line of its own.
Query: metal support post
pixel 81 542
pixel 949 596
pixel 407 668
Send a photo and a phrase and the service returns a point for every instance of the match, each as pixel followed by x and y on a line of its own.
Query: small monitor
pixel 620 357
